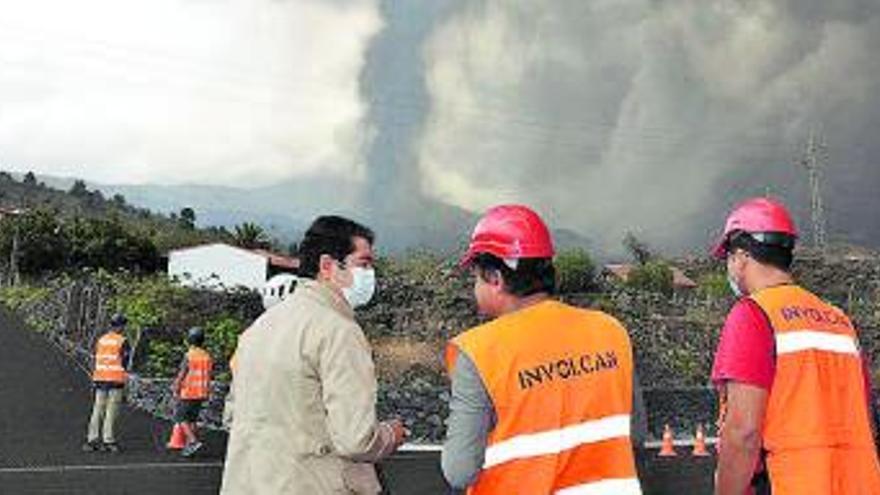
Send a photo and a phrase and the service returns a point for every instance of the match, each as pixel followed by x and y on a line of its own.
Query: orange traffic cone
pixel 700 443
pixel 667 449
pixel 178 438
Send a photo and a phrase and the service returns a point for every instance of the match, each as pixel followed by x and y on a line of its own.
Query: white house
pixel 221 266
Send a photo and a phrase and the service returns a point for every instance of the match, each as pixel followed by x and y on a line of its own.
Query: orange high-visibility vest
pixel 197 382
pixel 108 359
pixel 560 379
pixel 817 430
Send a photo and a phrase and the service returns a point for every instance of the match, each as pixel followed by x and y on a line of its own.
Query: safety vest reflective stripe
pixel 626 486
pixel 557 441
pixel 816 429
pixel 803 340
pixel 109 367
pixel 567 427
pixel 108 359
pixel 196 383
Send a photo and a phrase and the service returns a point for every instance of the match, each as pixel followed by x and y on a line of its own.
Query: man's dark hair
pixel 778 252
pixel 531 276
pixel 331 235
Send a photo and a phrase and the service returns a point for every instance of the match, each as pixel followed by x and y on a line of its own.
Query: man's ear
pixel 745 256
pixel 325 266
pixel 495 278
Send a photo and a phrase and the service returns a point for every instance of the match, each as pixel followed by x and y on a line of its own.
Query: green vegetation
pixel 163 358
pixel 22 296
pixel 575 271
pixel 653 276
pixel 58 231
pixel 159 314
pixel 42 241
pixel 145 301
pixel 714 285
pixel 251 236
pixel 222 338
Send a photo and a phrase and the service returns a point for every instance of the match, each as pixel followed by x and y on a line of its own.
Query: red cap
pixel 756 215
pixel 510 232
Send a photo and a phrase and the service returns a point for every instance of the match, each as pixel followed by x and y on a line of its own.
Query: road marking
pixel 409 448
pixel 418 447
pixel 405 450
pixel 111 467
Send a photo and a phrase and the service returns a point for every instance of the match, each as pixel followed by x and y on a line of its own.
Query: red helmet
pixel 756 216
pixel 510 232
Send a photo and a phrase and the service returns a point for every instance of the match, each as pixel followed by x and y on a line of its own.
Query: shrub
pixel 21 296
pixel 34 238
pixel 575 271
pixel 222 336
pixel 146 301
pixel 416 266
pixel 163 358
pixel 714 286
pixel 653 276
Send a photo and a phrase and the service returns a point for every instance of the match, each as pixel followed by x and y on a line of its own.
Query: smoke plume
pixel 654 116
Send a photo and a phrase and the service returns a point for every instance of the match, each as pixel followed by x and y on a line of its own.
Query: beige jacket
pixel 305 399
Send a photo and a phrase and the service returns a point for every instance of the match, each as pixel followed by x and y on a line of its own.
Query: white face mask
pixel 362 287
pixel 731 280
pixel 734 286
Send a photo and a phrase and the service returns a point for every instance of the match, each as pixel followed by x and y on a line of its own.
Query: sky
pixel 237 93
pixel 609 116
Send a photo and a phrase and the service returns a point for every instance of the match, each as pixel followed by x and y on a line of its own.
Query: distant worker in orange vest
pixel 543 396
pixel 109 378
pixel 792 381
pixel 192 387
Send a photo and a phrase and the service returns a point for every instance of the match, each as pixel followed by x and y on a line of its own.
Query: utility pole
pixel 814 161
pixel 15 279
pixel 13 215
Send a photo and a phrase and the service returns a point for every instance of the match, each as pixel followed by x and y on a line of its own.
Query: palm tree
pixel 188 218
pixel 251 236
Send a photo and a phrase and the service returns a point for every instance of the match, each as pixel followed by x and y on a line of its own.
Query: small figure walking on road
pixel 109 377
pixel 192 387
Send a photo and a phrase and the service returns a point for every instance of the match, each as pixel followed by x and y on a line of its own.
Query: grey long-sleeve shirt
pixel 472 417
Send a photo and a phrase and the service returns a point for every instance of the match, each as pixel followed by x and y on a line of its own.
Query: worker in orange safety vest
pixel 791 376
pixel 543 396
pixel 192 387
pixel 108 379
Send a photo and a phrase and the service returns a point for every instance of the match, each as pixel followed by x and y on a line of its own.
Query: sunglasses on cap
pixel 743 239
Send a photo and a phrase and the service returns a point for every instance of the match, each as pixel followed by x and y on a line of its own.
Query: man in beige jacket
pixel 305 387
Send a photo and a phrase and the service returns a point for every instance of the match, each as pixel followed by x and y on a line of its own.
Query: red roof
pixel 278 260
